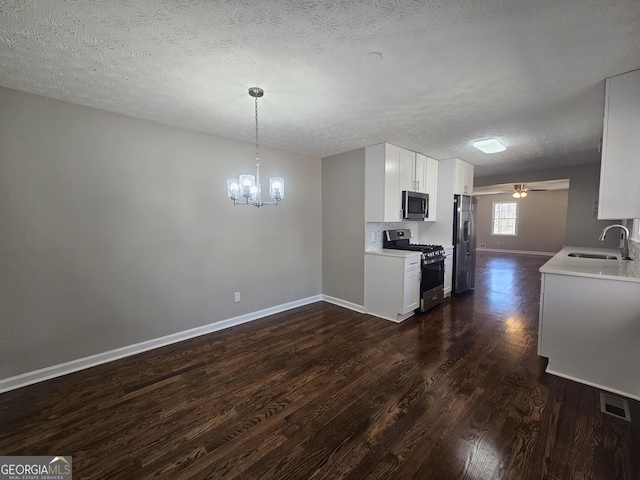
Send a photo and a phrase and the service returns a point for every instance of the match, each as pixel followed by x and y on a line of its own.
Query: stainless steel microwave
pixel 415 205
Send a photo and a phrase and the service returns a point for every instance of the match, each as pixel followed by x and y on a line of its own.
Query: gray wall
pixel 117 230
pixel 582 228
pixel 343 226
pixel 542 218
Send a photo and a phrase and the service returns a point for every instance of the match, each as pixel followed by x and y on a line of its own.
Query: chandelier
pixel 246 189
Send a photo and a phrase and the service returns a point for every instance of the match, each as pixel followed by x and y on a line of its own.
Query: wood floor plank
pixel 320 392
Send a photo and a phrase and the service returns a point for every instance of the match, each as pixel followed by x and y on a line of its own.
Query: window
pixel 504 218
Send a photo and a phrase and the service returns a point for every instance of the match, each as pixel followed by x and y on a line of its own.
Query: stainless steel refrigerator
pixel 464 243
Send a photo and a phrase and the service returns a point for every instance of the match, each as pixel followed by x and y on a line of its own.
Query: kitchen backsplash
pixel 373 233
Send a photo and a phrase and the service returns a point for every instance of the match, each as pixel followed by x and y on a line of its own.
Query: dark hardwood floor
pixel 321 392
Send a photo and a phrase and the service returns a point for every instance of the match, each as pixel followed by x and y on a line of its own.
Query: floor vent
pixel 615 406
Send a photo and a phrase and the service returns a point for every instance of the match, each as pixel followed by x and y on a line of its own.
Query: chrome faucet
pixel 624 250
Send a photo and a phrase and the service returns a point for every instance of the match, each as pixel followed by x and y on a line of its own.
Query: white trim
pixel 516 218
pixel 29 378
pixel 343 303
pixel 592 384
pixel 397 319
pixel 521 252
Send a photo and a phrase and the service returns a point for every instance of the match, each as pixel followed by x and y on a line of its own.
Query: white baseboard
pixel 520 252
pixel 343 303
pixel 29 378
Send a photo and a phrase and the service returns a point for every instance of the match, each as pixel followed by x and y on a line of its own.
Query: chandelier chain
pixel 257 155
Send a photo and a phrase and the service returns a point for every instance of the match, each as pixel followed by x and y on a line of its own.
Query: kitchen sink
pixel 597 256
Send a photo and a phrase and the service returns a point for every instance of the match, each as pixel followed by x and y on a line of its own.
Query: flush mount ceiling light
pixel 490 145
pixel 248 186
pixel 520 191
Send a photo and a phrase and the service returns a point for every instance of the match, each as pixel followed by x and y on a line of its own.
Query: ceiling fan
pixel 520 191
pixel 534 186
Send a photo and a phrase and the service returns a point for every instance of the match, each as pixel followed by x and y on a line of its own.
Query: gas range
pixel 432 265
pixel 399 240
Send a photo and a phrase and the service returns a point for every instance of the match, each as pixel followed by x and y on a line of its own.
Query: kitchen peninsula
pixel 590 319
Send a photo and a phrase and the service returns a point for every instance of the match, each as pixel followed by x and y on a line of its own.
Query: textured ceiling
pixel 530 73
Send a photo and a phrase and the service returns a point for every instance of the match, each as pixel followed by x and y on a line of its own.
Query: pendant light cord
pixel 257 156
pixel 257 152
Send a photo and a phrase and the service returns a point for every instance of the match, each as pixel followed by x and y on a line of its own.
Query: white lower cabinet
pixel 590 331
pixel 448 271
pixel 411 291
pixel 392 284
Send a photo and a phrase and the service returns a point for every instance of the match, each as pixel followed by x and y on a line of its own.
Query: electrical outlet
pixel 236 297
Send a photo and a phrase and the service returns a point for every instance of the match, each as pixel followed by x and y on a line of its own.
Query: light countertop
pixel 622 270
pixel 388 252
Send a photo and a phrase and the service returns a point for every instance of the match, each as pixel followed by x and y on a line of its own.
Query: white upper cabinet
pixel 463 184
pixel 420 173
pixel 389 170
pixel 459 173
pixel 382 193
pixel 620 167
pixel 407 170
pixel 431 186
pixel 415 169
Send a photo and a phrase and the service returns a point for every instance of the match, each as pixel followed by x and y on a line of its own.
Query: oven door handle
pixel 432 260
